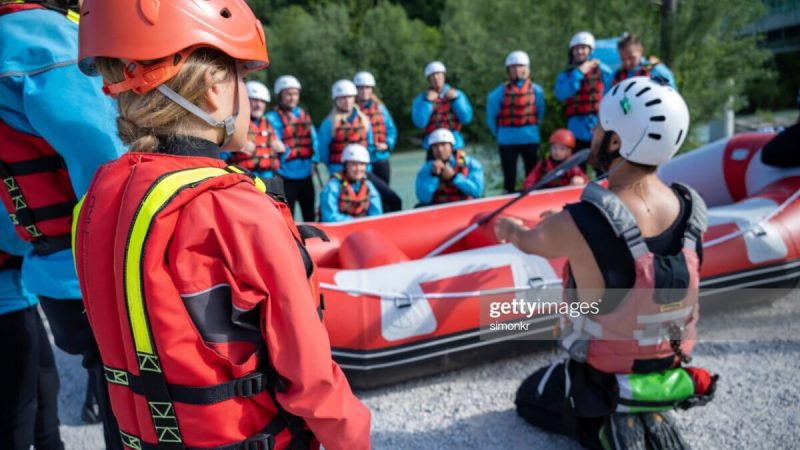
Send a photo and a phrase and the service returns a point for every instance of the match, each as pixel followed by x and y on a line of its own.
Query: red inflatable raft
pixel 393 314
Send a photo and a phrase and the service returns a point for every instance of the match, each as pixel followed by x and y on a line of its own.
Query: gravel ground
pixel 756 350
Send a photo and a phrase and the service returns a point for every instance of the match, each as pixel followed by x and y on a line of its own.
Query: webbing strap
pixel 264 440
pixel 246 386
pixel 618 215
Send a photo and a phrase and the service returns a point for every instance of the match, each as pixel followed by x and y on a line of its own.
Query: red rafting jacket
pixel 219 245
pixel 545 166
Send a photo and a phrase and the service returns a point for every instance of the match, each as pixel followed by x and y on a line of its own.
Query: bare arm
pixel 555 236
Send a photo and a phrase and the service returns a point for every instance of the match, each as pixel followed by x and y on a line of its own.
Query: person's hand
pixel 451 94
pixel 277 146
pixel 432 95
pixel 506 227
pixel 438 165
pixel 588 66
pixel 383 146
pixel 448 172
pixel 249 148
pixel 577 181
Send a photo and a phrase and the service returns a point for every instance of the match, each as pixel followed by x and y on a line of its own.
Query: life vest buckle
pixel 250 385
pixel 261 441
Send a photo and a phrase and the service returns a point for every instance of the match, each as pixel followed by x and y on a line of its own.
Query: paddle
pixel 553 175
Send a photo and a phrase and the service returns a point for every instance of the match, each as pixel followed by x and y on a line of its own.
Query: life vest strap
pixel 260 441
pixel 310 231
pixel 38 165
pixel 246 386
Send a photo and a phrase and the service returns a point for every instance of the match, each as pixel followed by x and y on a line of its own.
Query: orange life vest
pixel 297 134
pixel 355 204
pixel 346 133
pixel 36 190
pixel 447 192
pixel 587 99
pixel 373 111
pixel 643 70
pixel 657 320
pixel 518 107
pixel 442 116
pixel 262 159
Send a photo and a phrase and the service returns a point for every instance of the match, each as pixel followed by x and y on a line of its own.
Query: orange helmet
pixel 564 137
pixel 166 30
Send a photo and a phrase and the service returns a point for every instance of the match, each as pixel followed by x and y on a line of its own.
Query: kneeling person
pixel 451 175
pixel 349 194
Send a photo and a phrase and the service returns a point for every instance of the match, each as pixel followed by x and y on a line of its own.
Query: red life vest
pixel 546 166
pixel 176 378
pixel 518 108
pixel 643 70
pixel 262 158
pixel 373 111
pixel 355 204
pixel 447 192
pixel 346 133
pixel 16 7
pixel 587 99
pixel 36 190
pixel 652 323
pixel 442 116
pixel 296 134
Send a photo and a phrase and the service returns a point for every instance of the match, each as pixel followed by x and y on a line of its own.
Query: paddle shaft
pixel 554 174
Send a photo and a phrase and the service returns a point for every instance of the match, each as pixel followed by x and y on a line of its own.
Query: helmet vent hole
pixel 226 13
pixel 638 94
pixel 653 102
pixel 614 92
pixel 176 59
pixel 680 133
pixel 630 86
pixel 654 136
pixel 658 119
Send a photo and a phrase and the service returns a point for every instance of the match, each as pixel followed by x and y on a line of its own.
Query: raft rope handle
pixel 754 225
pixel 440 295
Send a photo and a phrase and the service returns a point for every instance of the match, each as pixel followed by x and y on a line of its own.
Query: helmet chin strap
pixel 228 124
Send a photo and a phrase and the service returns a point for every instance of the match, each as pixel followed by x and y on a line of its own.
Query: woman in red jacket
pixel 196 283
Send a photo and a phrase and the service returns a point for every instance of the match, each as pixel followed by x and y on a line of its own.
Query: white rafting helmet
pixel 651 119
pixel 286 82
pixel 343 88
pixel 435 67
pixel 518 57
pixel 355 153
pixel 364 78
pixel 582 38
pixel 257 90
pixel 441 135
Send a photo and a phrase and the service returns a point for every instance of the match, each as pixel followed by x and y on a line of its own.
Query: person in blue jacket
pixel 384 131
pixel 294 127
pixel 581 86
pixel 29 381
pixel 441 106
pixel 451 175
pixel 349 194
pixel 514 110
pixel 345 125
pixel 634 64
pixel 60 118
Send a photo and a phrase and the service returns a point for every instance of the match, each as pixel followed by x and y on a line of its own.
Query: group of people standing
pixel 285 143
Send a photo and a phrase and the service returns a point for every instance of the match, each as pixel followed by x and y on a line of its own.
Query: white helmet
pixel 355 153
pixel 582 38
pixel 364 79
pixel 343 88
pixel 286 82
pixel 434 67
pixel 651 119
pixel 441 135
pixel 518 57
pixel 257 90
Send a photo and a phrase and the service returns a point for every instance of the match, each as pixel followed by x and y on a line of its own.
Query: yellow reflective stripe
pixel 259 183
pixel 76 213
pixel 73 16
pixel 155 200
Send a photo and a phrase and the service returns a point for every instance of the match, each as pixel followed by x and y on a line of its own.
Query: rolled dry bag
pixel 659 391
